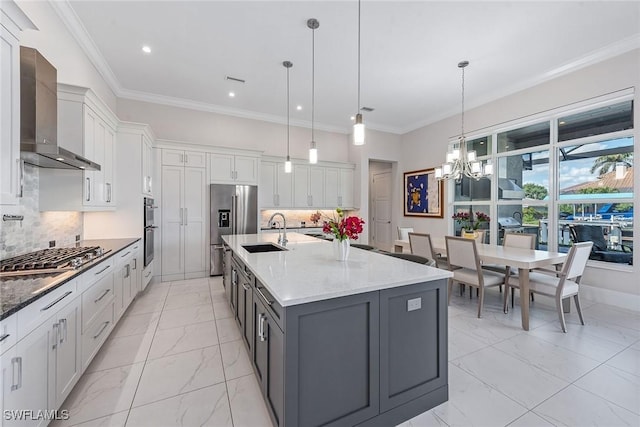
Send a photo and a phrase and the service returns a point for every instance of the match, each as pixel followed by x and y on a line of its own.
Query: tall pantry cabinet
pixel 184 214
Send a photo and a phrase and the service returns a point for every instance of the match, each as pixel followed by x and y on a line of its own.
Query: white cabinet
pixel 184 216
pixel 338 186
pixel 233 169
pixel 11 167
pixel 276 186
pixel 65 365
pixel 193 159
pixel 308 186
pixel 85 126
pixel 147 166
pixel 123 282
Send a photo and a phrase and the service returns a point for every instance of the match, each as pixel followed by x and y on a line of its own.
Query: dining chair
pixel 413 258
pixel 420 244
pixel 566 284
pixel 403 232
pixel 462 257
pixel 363 246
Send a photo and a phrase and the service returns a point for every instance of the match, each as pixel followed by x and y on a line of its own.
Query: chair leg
pixel 532 298
pixel 513 293
pixel 480 301
pixel 505 299
pixel 561 314
pixel 500 287
pixel 576 299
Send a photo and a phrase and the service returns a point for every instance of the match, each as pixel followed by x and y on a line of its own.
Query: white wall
pixel 58 46
pixel 206 128
pixel 426 147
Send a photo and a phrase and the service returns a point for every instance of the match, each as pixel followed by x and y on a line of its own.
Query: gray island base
pixel 356 343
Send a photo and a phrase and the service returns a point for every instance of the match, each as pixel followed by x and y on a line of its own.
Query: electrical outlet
pixel 414 304
pixel 52 243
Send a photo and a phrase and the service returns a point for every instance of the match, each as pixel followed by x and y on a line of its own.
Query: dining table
pixel 522 259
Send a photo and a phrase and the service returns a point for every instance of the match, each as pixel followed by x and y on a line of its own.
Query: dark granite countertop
pixel 19 291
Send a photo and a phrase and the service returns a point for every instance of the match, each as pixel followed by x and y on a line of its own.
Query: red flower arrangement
pixel 343 227
pixel 315 217
pixel 466 220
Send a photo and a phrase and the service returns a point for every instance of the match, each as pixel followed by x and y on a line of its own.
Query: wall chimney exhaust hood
pixel 39 116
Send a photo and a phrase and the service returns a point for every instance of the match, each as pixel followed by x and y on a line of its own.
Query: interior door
pixel 381 191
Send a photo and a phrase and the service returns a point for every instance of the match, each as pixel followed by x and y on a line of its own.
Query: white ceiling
pixel 410 52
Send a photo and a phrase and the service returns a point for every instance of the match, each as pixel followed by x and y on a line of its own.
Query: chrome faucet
pixel 282 238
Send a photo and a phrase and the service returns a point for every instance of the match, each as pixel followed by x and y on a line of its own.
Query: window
pixel 584 176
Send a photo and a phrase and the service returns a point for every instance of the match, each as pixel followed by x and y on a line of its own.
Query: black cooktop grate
pixel 44 259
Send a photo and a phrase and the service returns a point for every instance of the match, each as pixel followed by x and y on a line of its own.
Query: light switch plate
pixel 414 304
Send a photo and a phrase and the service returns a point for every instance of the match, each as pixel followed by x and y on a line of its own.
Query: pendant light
pixel 358 127
pixel 313 149
pixel 287 164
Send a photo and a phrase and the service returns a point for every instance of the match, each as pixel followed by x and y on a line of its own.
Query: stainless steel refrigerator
pixel 233 210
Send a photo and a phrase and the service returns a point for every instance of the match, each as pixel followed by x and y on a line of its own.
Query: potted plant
pixel 343 228
pixel 469 225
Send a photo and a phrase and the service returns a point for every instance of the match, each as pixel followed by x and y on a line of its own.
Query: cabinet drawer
pixel 273 307
pixel 8 332
pixel 96 273
pixel 124 256
pixel 95 299
pixel 31 316
pixel 96 333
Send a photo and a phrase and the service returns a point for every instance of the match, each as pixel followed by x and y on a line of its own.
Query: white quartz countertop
pixel 307 271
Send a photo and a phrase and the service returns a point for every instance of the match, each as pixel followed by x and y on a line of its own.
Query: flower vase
pixel 341 249
pixel 473 234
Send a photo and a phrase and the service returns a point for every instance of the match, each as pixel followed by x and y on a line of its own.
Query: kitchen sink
pixel 263 247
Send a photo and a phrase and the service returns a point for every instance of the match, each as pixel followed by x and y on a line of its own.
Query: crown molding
pixel 615 49
pixel 81 35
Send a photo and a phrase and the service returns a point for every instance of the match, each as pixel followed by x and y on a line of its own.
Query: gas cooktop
pixel 53 260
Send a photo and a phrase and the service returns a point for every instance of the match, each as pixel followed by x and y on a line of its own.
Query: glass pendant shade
pixel 287 165
pixel 358 131
pixel 313 153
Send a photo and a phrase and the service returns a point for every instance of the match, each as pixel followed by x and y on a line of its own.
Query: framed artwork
pixel 423 194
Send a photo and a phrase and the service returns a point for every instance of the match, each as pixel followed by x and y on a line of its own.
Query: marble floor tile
pixel 136 324
pixel 188 289
pixel 461 344
pixel 185 316
pixel 616 315
pixel 482 329
pixel 579 342
pixel 172 375
pixel 426 419
pixel 145 305
pixel 235 359
pixel 121 351
pixel 627 360
pixel 531 420
pixel 522 382
pixel 103 393
pixel 553 359
pixel 155 290
pixel 207 406
pixel 615 385
pixel 601 329
pixel 472 402
pixel 576 407
pixel 184 338
pixel 221 309
pixel 247 405
pixel 218 296
pixel 228 329
pixel 114 420
pixel 188 300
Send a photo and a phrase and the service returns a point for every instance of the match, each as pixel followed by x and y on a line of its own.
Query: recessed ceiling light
pixel 352 117
pixel 232 94
pixel 146 49
pixel 60 159
pixel 299 107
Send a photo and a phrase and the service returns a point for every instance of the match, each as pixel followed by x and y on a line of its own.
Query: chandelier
pixel 459 161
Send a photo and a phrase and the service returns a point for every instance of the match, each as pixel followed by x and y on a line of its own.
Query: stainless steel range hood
pixel 39 116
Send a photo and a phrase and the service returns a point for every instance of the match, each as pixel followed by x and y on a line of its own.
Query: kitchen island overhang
pixel 361 342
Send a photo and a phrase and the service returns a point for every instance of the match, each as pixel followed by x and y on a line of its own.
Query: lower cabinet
pixel 123 282
pixel 244 314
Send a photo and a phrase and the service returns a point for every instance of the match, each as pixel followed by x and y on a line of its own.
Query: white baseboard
pixel 607 296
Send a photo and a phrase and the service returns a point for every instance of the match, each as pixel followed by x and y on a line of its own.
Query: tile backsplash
pixel 296 217
pixel 37 228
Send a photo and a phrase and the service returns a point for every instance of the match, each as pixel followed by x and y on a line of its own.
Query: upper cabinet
pixel 12 22
pixel 229 168
pixel 87 126
pixel 147 166
pixel 276 186
pixel 192 159
pixel 135 160
pixel 308 186
pixel 338 187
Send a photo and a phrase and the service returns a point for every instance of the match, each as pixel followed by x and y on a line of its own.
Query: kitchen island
pixel 361 342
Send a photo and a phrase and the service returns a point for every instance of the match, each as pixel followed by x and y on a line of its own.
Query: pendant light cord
pixel 313 79
pixel 358 111
pixel 288 113
pixel 462 134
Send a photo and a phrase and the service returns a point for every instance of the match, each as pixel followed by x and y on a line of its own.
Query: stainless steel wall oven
pixel 149 230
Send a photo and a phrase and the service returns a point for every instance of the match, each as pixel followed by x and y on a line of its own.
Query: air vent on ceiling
pixel 235 79
pixel 367 109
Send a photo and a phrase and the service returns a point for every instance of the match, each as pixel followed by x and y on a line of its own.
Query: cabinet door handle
pixel 104 326
pixel 47 307
pixel 147 275
pixel 56 333
pixel 16 361
pixel 122 256
pixel 181 217
pixel 4 337
pixel 186 216
pixel 275 200
pixel 20 189
pixel 109 192
pixel 88 189
pixel 150 184
pixel 339 200
pixel 135 263
pixel 103 270
pixel 104 294
pixel 127 271
pixel 245 287
pixel 261 333
pixel 264 297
